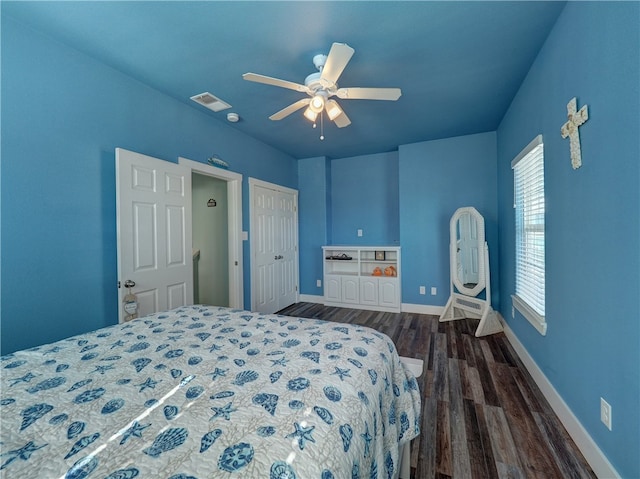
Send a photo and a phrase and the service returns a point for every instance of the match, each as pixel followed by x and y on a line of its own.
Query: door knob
pixel 129 284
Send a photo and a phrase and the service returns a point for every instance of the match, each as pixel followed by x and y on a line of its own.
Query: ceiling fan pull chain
pixel 322 125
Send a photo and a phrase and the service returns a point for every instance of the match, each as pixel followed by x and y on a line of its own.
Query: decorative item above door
pixel 469 266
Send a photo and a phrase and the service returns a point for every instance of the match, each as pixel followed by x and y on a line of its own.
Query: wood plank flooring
pixel 482 415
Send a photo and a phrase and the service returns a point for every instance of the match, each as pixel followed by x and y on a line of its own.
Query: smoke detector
pixel 233 117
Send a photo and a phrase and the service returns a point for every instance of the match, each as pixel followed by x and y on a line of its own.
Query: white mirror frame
pixel 463 301
pixel 453 254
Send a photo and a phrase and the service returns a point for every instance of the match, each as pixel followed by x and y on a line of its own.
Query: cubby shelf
pixel 364 277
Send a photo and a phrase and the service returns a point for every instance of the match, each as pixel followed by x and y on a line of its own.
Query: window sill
pixel 534 318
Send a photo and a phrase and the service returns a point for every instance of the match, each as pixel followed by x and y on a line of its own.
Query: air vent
pixel 210 101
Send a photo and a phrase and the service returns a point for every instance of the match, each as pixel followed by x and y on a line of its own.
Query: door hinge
pixel 296 289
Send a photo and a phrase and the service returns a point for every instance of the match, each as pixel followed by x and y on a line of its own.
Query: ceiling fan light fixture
pixel 310 115
pixel 333 109
pixel 318 101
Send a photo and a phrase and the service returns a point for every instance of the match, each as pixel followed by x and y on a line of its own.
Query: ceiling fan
pixel 322 85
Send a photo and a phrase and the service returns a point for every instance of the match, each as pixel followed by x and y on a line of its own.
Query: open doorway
pixel 217 234
pixel 210 239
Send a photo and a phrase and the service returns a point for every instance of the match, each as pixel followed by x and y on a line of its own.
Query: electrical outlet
pixel 319 283
pixel 423 290
pixel 605 413
pixel 434 290
pixel 359 232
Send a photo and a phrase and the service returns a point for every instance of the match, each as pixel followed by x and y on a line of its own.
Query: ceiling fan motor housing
pixel 319 61
pixel 315 84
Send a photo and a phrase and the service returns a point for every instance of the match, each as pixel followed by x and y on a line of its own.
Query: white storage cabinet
pixel 349 279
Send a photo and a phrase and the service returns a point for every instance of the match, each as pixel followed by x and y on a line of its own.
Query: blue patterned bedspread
pixel 207 392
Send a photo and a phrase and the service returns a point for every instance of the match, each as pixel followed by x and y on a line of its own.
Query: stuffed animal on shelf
pixel 377 271
pixel 390 271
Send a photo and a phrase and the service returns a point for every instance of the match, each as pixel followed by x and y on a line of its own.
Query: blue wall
pixel 314 183
pixel 592 345
pixel 364 195
pixel 408 198
pixel 63 115
pixel 436 178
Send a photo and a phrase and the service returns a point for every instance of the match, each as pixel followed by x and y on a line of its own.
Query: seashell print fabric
pixel 208 392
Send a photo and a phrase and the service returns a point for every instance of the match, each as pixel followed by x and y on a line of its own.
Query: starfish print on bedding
pixel 23 453
pixel 149 383
pixel 302 434
pixel 279 362
pixel 103 369
pixel 24 379
pixel 134 430
pixel 119 342
pixel 342 373
pixel 224 412
pixel 218 373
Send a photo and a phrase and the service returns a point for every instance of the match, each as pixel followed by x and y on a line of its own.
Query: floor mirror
pixel 470 291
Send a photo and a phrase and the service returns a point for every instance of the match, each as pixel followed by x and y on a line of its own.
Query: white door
pixel 274 245
pixel 287 236
pixel 154 232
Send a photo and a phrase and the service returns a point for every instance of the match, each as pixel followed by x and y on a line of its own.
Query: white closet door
pixel 274 244
pixel 265 252
pixel 287 250
pixel 153 215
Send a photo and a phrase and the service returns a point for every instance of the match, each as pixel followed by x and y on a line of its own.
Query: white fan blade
pixel 342 120
pixel 290 109
pixel 369 93
pixel 337 60
pixel 275 82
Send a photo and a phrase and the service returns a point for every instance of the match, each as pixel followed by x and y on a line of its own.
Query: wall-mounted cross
pixel 570 129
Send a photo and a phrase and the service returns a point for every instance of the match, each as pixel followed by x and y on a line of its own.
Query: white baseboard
pixel 405 307
pixel 422 309
pixel 310 298
pixel 590 450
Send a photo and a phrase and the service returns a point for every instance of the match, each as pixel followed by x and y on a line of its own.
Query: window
pixel 528 174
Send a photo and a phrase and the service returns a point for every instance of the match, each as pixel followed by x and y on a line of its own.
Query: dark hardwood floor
pixel 482 414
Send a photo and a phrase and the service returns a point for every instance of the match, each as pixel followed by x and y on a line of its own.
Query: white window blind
pixel 529 296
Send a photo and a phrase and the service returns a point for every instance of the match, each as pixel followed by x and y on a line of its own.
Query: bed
pixel 208 392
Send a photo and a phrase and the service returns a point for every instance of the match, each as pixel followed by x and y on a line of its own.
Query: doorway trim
pixel 253 182
pixel 234 214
